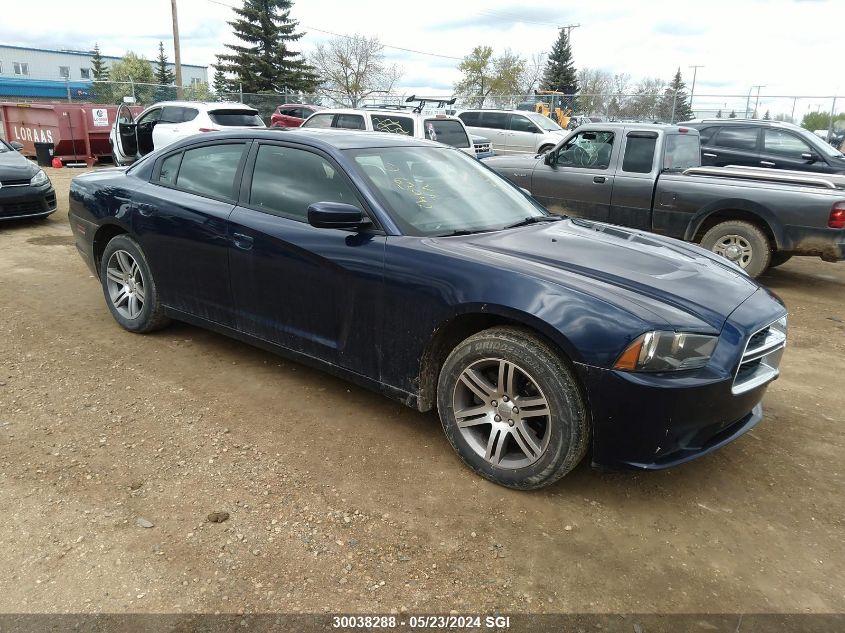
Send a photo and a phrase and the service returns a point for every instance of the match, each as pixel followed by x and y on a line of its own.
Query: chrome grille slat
pixel 760 359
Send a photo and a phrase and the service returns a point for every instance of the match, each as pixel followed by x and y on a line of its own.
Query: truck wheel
pixel 511 408
pixel 778 259
pixel 545 149
pixel 742 243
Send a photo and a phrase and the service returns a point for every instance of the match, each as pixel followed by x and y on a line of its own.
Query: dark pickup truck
pixel 650 177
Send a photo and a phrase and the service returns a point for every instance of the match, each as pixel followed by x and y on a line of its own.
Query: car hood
pixel 14 166
pixel 518 161
pixel 669 278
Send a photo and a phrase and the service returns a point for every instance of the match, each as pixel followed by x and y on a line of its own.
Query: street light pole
pixel 695 68
pixel 177 55
pixel 757 101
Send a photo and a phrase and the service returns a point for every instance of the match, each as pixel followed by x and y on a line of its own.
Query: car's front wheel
pixel 511 408
pixel 129 287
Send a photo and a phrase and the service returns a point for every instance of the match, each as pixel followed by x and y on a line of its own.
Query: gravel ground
pixel 115 448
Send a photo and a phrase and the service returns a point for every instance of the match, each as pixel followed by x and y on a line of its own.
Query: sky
pixel 791 47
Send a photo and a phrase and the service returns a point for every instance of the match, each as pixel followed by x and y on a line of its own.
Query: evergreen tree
pixel 674 104
pixel 560 71
pixel 164 76
pixel 719 114
pixel 99 73
pixel 767 116
pixel 267 63
pixel 732 115
pixel 220 83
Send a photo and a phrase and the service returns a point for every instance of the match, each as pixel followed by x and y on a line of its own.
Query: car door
pixel 495 126
pixel 181 221
pixel 522 135
pixel 783 149
pixel 124 136
pixel 734 145
pixel 315 291
pixel 168 128
pixel 576 179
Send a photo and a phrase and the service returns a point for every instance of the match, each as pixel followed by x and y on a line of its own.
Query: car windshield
pixel 441 191
pixel 543 122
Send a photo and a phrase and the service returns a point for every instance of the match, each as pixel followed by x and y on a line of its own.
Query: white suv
pixel 168 121
pixel 514 131
pixel 406 120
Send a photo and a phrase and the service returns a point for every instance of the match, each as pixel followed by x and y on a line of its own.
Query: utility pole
pixel 177 55
pixel 695 68
pixel 757 102
pixel 569 28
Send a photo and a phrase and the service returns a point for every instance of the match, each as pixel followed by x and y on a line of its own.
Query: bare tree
pixel 643 104
pixel 532 75
pixel 594 88
pixel 353 68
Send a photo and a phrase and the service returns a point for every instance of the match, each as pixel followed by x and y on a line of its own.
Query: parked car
pixel 292 114
pixel 25 188
pixel 649 177
pixel 514 131
pixel 412 269
pixel 405 120
pixel 760 143
pixel 169 121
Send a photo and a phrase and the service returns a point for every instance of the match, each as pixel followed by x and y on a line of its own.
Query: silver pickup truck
pixel 650 177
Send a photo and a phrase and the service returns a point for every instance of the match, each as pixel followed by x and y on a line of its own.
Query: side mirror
pixel 809 157
pixel 550 158
pixel 16 146
pixel 336 215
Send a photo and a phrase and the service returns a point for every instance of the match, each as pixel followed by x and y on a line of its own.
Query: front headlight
pixel 667 351
pixel 40 178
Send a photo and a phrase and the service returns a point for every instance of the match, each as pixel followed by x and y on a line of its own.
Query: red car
pixel 292 114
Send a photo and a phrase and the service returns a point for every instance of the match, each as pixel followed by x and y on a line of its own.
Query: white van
pixel 514 131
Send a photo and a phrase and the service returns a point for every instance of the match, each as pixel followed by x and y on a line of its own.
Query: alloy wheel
pixel 502 413
pixel 735 248
pixel 125 284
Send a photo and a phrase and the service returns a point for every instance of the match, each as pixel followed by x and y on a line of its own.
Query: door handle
pixel 599 179
pixel 708 155
pixel 767 163
pixel 242 241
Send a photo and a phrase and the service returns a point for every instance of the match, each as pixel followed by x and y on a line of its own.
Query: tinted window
pixel 286 181
pixel 521 124
pixel 470 118
pixel 210 170
pixel 169 169
pixel 737 138
pixel 177 114
pixel 708 133
pixel 350 122
pixel 682 152
pixel 446 131
pixel 319 120
pixel 393 124
pixel 494 120
pixel 639 154
pixel 152 115
pixel 784 144
pixel 231 118
pixel 587 149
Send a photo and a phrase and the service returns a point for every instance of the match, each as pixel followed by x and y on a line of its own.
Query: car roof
pixel 615 125
pixel 745 122
pixel 324 138
pixel 204 104
pixel 403 111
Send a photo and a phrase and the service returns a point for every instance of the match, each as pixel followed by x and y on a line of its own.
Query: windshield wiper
pixel 534 219
pixel 462 232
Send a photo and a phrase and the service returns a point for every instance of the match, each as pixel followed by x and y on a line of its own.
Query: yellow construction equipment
pixel 557 111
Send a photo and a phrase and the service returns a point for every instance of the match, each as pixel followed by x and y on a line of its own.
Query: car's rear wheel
pixel 779 259
pixel 742 243
pixel 129 287
pixel 545 149
pixel 511 408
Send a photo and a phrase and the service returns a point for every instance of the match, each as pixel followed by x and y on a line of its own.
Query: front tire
pixel 741 242
pixel 129 287
pixel 512 409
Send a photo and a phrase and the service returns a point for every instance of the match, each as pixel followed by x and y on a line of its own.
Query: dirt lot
pixel 341 500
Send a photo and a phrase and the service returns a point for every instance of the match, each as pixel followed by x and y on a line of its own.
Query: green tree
pixel 266 62
pixel 732 115
pixel 819 120
pixel 164 76
pixel 133 71
pixel 99 75
pixel 485 76
pixel 198 91
pixel 767 116
pixel 560 70
pixel 220 83
pixel 719 114
pixel 674 104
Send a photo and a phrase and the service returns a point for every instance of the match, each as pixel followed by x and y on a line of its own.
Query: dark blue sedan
pixel 410 268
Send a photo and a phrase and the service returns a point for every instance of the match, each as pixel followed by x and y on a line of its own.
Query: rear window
pixel 393 124
pixel 469 118
pixel 682 152
pixel 639 153
pixel 446 131
pixel 494 120
pixel 210 170
pixel 319 120
pixel 737 138
pixel 350 122
pixel 236 118
pixel 707 133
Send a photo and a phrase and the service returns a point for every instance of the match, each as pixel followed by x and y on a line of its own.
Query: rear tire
pixel 512 409
pixel 545 149
pixel 778 259
pixel 741 242
pixel 129 287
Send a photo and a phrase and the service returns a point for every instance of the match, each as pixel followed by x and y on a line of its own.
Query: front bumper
pixel 650 421
pixel 18 203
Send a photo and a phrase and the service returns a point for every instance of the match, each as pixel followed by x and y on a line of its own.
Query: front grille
pixel 22 208
pixel 14 183
pixel 761 358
